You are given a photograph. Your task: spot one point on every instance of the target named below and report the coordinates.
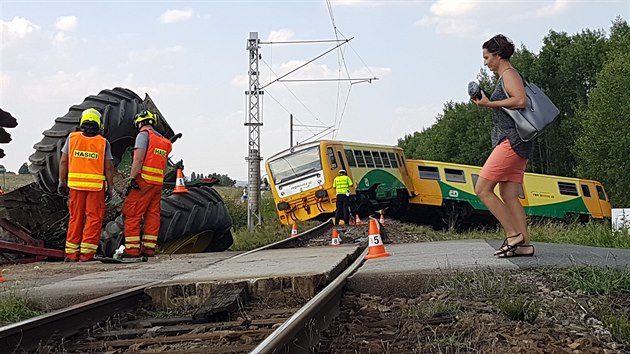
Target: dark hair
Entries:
(499, 45)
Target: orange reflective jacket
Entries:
(86, 162)
(155, 158)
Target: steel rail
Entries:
(27, 335)
(295, 335)
(298, 240)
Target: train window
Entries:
(521, 192)
(600, 193)
(392, 159)
(350, 157)
(568, 188)
(454, 175)
(400, 162)
(358, 155)
(377, 159)
(429, 172)
(343, 164)
(586, 191)
(331, 157)
(369, 161)
(474, 178)
(385, 159)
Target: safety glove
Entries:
(62, 188)
(131, 183)
(109, 194)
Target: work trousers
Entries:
(87, 209)
(143, 203)
(343, 209)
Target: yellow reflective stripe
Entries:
(85, 184)
(132, 238)
(151, 169)
(149, 244)
(132, 245)
(85, 176)
(71, 245)
(151, 178)
(88, 246)
(149, 237)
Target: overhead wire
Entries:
(340, 60)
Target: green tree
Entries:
(603, 145)
(193, 176)
(23, 169)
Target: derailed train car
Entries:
(431, 192)
(301, 178)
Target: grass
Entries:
(519, 310)
(14, 309)
(596, 281)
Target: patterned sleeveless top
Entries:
(503, 127)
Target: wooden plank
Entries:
(226, 298)
(143, 342)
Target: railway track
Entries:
(120, 322)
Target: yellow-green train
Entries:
(426, 191)
(446, 191)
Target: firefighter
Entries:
(342, 184)
(85, 165)
(144, 187)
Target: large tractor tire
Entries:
(118, 108)
(183, 215)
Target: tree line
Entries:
(224, 180)
(587, 76)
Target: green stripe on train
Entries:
(388, 183)
(554, 210)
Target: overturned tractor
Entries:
(197, 221)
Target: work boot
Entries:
(72, 257)
(87, 257)
(131, 253)
(149, 252)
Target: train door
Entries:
(604, 202)
(590, 198)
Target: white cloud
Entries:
(66, 23)
(452, 26)
(558, 7)
(175, 16)
(456, 8)
(281, 35)
(16, 29)
(60, 36)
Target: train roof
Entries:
(318, 142)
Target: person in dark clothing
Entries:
(342, 184)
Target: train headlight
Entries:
(321, 194)
(283, 206)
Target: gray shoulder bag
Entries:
(538, 114)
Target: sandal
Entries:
(513, 253)
(506, 243)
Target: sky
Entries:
(191, 58)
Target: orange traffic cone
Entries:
(357, 221)
(334, 241)
(382, 220)
(180, 187)
(294, 230)
(375, 248)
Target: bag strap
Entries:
(525, 83)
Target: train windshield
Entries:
(298, 164)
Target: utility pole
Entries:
(254, 122)
(290, 130)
